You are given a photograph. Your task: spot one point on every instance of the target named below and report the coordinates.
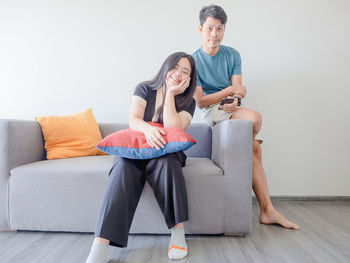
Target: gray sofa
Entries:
(65, 194)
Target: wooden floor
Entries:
(324, 237)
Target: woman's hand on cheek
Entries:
(154, 137)
(180, 88)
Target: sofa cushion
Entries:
(133, 144)
(200, 131)
(65, 195)
(70, 168)
(70, 136)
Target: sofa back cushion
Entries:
(70, 136)
(201, 132)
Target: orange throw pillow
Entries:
(70, 136)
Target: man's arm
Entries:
(236, 82)
(235, 89)
(205, 101)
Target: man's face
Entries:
(212, 32)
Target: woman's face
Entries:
(181, 72)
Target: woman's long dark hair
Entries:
(182, 100)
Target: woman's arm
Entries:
(171, 118)
(136, 114)
(136, 122)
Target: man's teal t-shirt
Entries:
(214, 72)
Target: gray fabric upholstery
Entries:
(202, 134)
(21, 142)
(65, 194)
(108, 128)
(82, 179)
(230, 141)
(61, 195)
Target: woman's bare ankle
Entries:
(100, 240)
(179, 225)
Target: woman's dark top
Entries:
(153, 99)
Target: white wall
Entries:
(62, 57)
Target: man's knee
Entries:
(248, 114)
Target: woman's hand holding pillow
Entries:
(154, 137)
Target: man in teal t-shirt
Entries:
(214, 72)
(219, 75)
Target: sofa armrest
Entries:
(232, 152)
(21, 142)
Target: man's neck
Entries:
(210, 51)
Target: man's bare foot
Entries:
(271, 216)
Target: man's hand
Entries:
(230, 107)
(180, 88)
(239, 91)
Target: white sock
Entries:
(98, 254)
(177, 245)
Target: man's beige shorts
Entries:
(213, 115)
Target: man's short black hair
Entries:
(214, 11)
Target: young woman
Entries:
(167, 99)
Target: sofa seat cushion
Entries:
(72, 168)
(201, 167)
(65, 195)
(65, 169)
